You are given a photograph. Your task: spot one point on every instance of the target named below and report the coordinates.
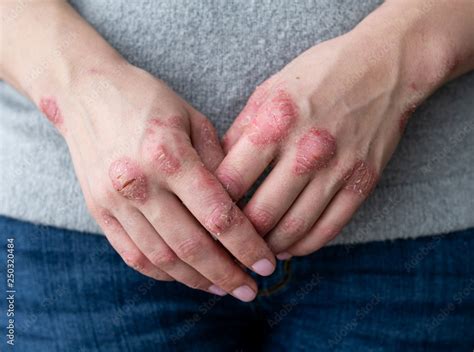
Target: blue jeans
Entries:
(73, 293)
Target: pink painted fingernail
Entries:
(263, 267)
(284, 256)
(217, 290)
(244, 293)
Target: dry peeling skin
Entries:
(247, 115)
(155, 124)
(275, 118)
(253, 105)
(314, 151)
(49, 108)
(225, 213)
(361, 179)
(223, 218)
(208, 141)
(128, 179)
(155, 151)
(233, 185)
(165, 161)
(174, 121)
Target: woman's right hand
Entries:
(143, 156)
(144, 159)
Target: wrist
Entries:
(49, 50)
(426, 40)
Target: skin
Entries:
(151, 168)
(50, 109)
(143, 156)
(344, 119)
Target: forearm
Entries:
(47, 47)
(430, 41)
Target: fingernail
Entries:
(284, 256)
(263, 267)
(244, 293)
(217, 290)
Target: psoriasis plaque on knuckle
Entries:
(222, 218)
(314, 151)
(274, 120)
(128, 179)
(361, 179)
(156, 151)
(164, 160)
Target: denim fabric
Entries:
(73, 293)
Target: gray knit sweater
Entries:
(196, 47)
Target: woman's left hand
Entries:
(330, 121)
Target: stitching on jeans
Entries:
(281, 284)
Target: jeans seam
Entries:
(287, 273)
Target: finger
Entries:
(118, 237)
(248, 113)
(186, 237)
(274, 197)
(314, 151)
(210, 204)
(127, 249)
(157, 251)
(304, 212)
(242, 166)
(358, 186)
(205, 141)
(258, 145)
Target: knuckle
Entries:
(161, 157)
(361, 179)
(134, 260)
(226, 280)
(162, 122)
(288, 231)
(232, 181)
(291, 227)
(161, 276)
(128, 179)
(166, 146)
(250, 252)
(222, 218)
(105, 218)
(279, 114)
(190, 250)
(163, 258)
(328, 232)
(262, 217)
(315, 149)
(340, 171)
